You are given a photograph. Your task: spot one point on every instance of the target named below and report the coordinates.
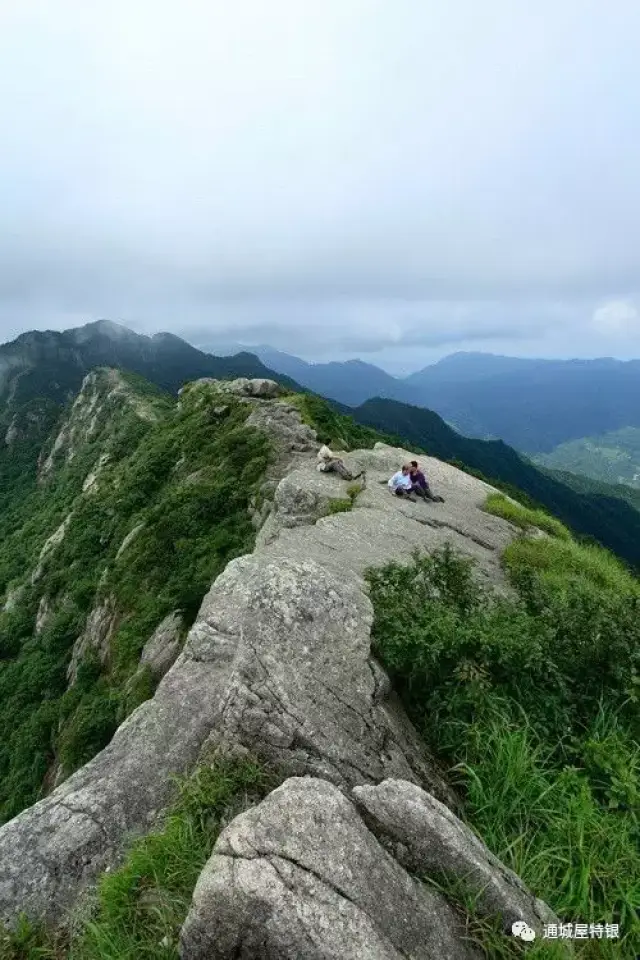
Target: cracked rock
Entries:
(434, 841)
(300, 877)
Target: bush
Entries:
(339, 505)
(525, 517)
(90, 729)
(532, 702)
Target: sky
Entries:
(395, 181)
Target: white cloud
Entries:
(617, 317)
(349, 172)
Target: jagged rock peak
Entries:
(100, 390)
(256, 388)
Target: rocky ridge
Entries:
(278, 664)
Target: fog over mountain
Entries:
(355, 179)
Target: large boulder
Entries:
(304, 693)
(300, 877)
(96, 636)
(429, 839)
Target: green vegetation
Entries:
(532, 703)
(184, 477)
(612, 458)
(335, 428)
(587, 485)
(140, 907)
(525, 517)
(344, 504)
(339, 505)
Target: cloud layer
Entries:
(347, 177)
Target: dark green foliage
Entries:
(533, 703)
(89, 729)
(583, 484)
(186, 479)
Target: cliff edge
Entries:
(278, 665)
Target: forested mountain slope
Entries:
(120, 519)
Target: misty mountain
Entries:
(533, 405)
(51, 364)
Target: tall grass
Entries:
(140, 907)
(532, 703)
(526, 518)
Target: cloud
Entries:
(617, 317)
(353, 175)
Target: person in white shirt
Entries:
(400, 483)
(329, 462)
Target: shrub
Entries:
(339, 505)
(532, 702)
(142, 905)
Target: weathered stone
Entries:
(161, 650)
(90, 480)
(128, 540)
(43, 614)
(99, 628)
(302, 692)
(13, 431)
(300, 877)
(434, 841)
(51, 852)
(12, 598)
(49, 546)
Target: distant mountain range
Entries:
(40, 372)
(51, 364)
(533, 405)
(610, 457)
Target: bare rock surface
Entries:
(277, 662)
(161, 650)
(300, 877)
(99, 628)
(432, 840)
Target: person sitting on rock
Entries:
(400, 483)
(420, 484)
(328, 462)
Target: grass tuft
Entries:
(140, 907)
(526, 518)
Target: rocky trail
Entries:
(278, 664)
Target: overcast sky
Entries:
(395, 179)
